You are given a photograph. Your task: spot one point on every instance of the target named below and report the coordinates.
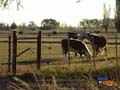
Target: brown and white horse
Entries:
(75, 45)
(98, 42)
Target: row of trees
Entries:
(51, 24)
(4, 26)
(93, 24)
(46, 24)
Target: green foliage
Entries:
(90, 23)
(49, 24)
(2, 26)
(94, 24)
(68, 74)
(49, 72)
(63, 73)
(13, 26)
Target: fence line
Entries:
(39, 41)
(13, 48)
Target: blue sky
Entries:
(64, 11)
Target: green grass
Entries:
(27, 61)
(54, 52)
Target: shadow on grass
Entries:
(110, 58)
(46, 61)
(55, 60)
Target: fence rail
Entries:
(45, 39)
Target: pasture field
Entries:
(52, 52)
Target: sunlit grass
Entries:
(27, 61)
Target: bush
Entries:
(49, 72)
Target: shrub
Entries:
(49, 72)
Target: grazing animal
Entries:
(75, 46)
(98, 42)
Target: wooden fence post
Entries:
(94, 54)
(39, 50)
(69, 48)
(116, 56)
(9, 53)
(14, 53)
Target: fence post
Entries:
(94, 54)
(9, 53)
(39, 50)
(14, 53)
(69, 48)
(116, 56)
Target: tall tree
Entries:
(106, 17)
(49, 24)
(2, 25)
(13, 26)
(85, 24)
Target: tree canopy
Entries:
(49, 24)
(13, 25)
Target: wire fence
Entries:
(51, 51)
